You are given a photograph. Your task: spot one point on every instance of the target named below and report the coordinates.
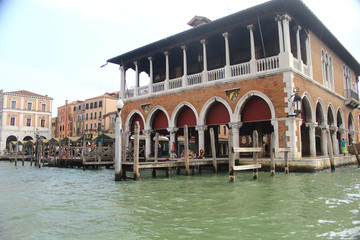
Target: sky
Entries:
(56, 47)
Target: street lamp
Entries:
(296, 104)
(118, 172)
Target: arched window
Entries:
(327, 68)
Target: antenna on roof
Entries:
(104, 65)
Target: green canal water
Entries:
(59, 203)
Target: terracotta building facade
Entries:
(242, 71)
(24, 115)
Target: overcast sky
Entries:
(56, 47)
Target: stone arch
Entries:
(331, 119)
(242, 102)
(208, 105)
(178, 109)
(129, 120)
(10, 139)
(26, 138)
(307, 114)
(320, 117)
(152, 113)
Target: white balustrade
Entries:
(297, 64)
(158, 87)
(175, 83)
(240, 69)
(194, 79)
(266, 64)
(216, 74)
(143, 90)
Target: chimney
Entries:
(198, 20)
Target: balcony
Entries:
(238, 71)
(352, 98)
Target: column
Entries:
(298, 47)
(324, 149)
(252, 47)
(166, 84)
(184, 78)
(287, 44)
(136, 90)
(204, 73)
(308, 55)
(147, 142)
(281, 38)
(151, 75)
(286, 58)
(227, 55)
(172, 132)
(201, 133)
(122, 82)
(312, 143)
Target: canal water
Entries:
(59, 203)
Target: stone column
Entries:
(201, 133)
(298, 46)
(136, 90)
(281, 37)
(286, 58)
(166, 84)
(312, 141)
(324, 149)
(252, 47)
(147, 134)
(184, 79)
(308, 55)
(172, 132)
(151, 75)
(204, 73)
(122, 82)
(227, 55)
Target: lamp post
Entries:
(295, 105)
(118, 170)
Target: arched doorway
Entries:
(306, 116)
(256, 115)
(27, 138)
(320, 120)
(217, 116)
(351, 133)
(159, 124)
(341, 131)
(10, 139)
(186, 116)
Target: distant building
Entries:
(24, 115)
(79, 118)
(66, 119)
(95, 109)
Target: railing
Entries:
(240, 69)
(175, 83)
(349, 93)
(216, 74)
(143, 90)
(267, 64)
(194, 79)
(158, 87)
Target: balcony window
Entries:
(29, 105)
(100, 103)
(43, 107)
(95, 104)
(91, 105)
(87, 106)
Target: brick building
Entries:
(242, 71)
(95, 109)
(24, 115)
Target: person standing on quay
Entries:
(343, 146)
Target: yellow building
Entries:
(24, 115)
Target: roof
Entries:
(295, 8)
(27, 93)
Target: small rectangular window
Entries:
(13, 104)
(12, 121)
(42, 123)
(29, 105)
(43, 107)
(100, 103)
(28, 122)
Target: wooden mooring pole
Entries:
(231, 157)
(272, 155)
(186, 145)
(136, 152)
(213, 149)
(330, 150)
(255, 154)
